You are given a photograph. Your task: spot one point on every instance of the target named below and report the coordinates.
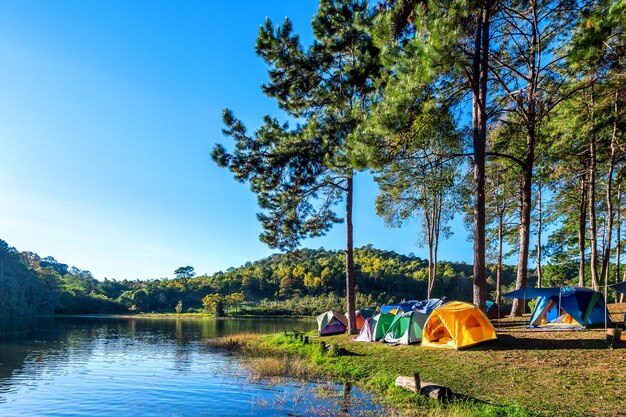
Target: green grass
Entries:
(522, 374)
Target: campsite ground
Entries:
(523, 373)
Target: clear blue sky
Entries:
(108, 114)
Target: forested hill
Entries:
(384, 275)
(303, 282)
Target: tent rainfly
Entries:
(361, 315)
(457, 325)
(331, 322)
(406, 328)
(375, 328)
(564, 308)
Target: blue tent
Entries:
(391, 308)
(620, 287)
(565, 305)
(427, 306)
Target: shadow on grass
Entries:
(510, 342)
(345, 352)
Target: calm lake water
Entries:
(85, 366)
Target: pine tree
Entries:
(444, 45)
(300, 174)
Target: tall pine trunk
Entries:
(592, 203)
(433, 241)
(350, 285)
(437, 230)
(479, 127)
(582, 229)
(618, 231)
(606, 256)
(431, 269)
(524, 226)
(539, 227)
(527, 167)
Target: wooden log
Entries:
(431, 389)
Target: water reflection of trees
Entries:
(30, 348)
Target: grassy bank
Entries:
(523, 373)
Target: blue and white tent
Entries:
(565, 306)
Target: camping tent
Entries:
(457, 325)
(565, 307)
(331, 322)
(493, 310)
(406, 328)
(375, 328)
(361, 315)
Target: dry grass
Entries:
(265, 360)
(248, 344)
(282, 367)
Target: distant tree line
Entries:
(305, 282)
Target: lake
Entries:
(107, 366)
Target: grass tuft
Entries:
(282, 367)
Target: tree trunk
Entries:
(582, 230)
(527, 168)
(430, 222)
(479, 127)
(606, 256)
(429, 291)
(618, 231)
(350, 286)
(499, 265)
(592, 213)
(436, 236)
(524, 235)
(539, 227)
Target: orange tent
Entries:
(457, 325)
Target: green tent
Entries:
(331, 322)
(406, 328)
(375, 327)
